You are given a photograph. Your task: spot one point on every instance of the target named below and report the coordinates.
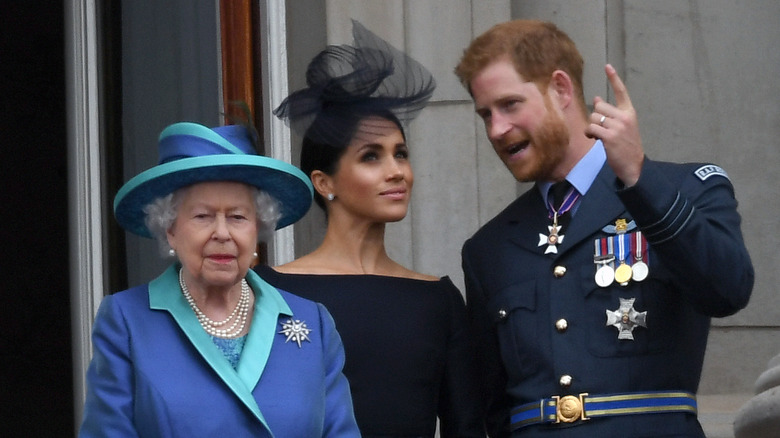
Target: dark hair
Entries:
(344, 86)
(317, 155)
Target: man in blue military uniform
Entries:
(592, 311)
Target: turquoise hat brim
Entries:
(285, 182)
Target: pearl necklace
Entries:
(214, 327)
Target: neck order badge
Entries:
(564, 196)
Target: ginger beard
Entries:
(549, 140)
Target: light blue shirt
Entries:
(583, 174)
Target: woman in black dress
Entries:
(408, 356)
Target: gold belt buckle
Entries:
(569, 408)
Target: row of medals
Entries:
(606, 273)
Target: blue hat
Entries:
(191, 153)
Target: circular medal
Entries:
(639, 271)
(623, 273)
(605, 275)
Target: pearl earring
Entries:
(172, 252)
(254, 254)
(331, 196)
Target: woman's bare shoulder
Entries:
(314, 264)
(408, 273)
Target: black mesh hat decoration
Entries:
(347, 83)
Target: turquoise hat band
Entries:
(183, 164)
(199, 131)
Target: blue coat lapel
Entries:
(526, 218)
(269, 304)
(164, 294)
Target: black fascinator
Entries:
(347, 83)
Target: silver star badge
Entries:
(626, 318)
(295, 330)
(552, 239)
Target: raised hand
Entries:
(618, 128)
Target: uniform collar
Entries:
(584, 173)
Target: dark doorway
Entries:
(36, 394)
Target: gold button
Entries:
(561, 325)
(565, 381)
(559, 271)
(502, 314)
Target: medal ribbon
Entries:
(623, 245)
(568, 202)
(602, 252)
(639, 247)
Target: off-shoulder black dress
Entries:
(408, 353)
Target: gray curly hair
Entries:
(161, 214)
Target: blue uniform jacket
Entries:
(156, 373)
(698, 268)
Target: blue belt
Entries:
(571, 408)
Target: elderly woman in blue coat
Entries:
(208, 348)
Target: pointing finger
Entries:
(622, 100)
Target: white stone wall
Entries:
(703, 76)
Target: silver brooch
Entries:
(295, 330)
